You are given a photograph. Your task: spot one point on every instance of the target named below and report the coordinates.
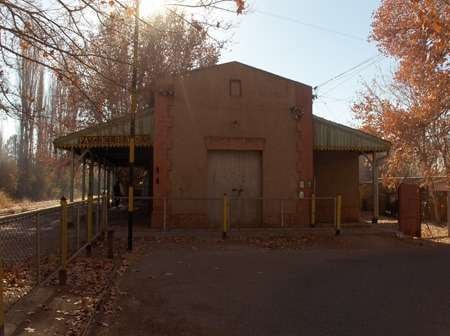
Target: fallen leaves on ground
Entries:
(92, 280)
(20, 277)
(287, 242)
(435, 233)
(18, 280)
(88, 280)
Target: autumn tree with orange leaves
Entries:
(412, 109)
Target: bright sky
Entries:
(281, 45)
(285, 43)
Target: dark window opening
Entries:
(235, 88)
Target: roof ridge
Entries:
(247, 66)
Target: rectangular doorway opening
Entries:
(239, 175)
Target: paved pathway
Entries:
(242, 290)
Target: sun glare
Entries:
(152, 7)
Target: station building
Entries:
(236, 130)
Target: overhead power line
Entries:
(311, 25)
(342, 74)
(343, 100)
(353, 74)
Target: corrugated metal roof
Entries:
(328, 135)
(331, 136)
(113, 133)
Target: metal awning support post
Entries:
(132, 140)
(83, 180)
(99, 197)
(99, 179)
(108, 186)
(375, 191)
(105, 168)
(72, 173)
(90, 213)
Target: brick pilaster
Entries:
(305, 139)
(161, 156)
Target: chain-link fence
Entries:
(30, 244)
(241, 213)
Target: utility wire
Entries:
(348, 100)
(342, 74)
(311, 25)
(375, 61)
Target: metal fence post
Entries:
(63, 228)
(225, 217)
(97, 215)
(83, 181)
(229, 214)
(2, 305)
(99, 199)
(313, 210)
(103, 213)
(334, 211)
(89, 225)
(38, 249)
(338, 214)
(77, 228)
(90, 210)
(106, 212)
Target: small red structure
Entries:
(409, 219)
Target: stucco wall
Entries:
(336, 172)
(202, 108)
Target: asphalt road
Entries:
(243, 290)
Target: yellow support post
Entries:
(225, 217)
(2, 306)
(338, 214)
(313, 210)
(64, 238)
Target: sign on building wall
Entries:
(112, 141)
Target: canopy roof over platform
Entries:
(331, 136)
(112, 137)
(111, 134)
(109, 141)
